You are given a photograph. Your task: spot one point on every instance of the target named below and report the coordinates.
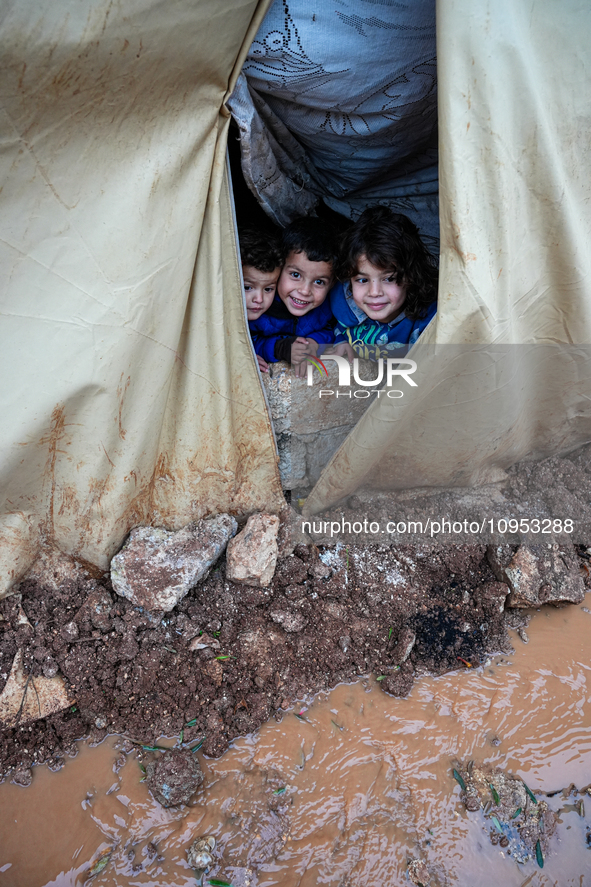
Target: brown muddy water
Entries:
(368, 786)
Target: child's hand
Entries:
(263, 365)
(303, 348)
(300, 350)
(343, 349)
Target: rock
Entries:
(251, 557)
(174, 778)
(403, 648)
(156, 568)
(538, 574)
(492, 595)
(286, 541)
(418, 872)
(288, 620)
(23, 776)
(42, 696)
(69, 632)
(200, 853)
(309, 428)
(98, 607)
(202, 641)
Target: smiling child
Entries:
(299, 318)
(390, 286)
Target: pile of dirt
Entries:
(228, 657)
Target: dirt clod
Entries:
(174, 778)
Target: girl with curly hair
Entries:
(388, 288)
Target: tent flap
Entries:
(131, 394)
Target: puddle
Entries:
(367, 780)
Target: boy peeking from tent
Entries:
(298, 318)
(385, 298)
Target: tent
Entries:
(131, 393)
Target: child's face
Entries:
(376, 292)
(303, 284)
(259, 290)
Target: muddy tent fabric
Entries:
(339, 102)
(504, 373)
(130, 392)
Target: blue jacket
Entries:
(370, 338)
(274, 331)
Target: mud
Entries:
(354, 787)
(229, 657)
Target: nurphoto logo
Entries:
(387, 368)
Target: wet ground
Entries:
(368, 787)
(229, 657)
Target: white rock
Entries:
(252, 555)
(156, 568)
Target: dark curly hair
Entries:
(314, 237)
(260, 249)
(391, 241)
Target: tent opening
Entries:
(333, 112)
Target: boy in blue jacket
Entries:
(299, 318)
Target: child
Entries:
(390, 290)
(299, 318)
(262, 258)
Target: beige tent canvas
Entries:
(131, 393)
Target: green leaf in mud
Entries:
(142, 768)
(217, 882)
(338, 726)
(154, 748)
(459, 780)
(280, 791)
(380, 677)
(390, 630)
(225, 657)
(539, 855)
(494, 793)
(497, 824)
(300, 717)
(181, 736)
(530, 793)
(101, 863)
(517, 812)
(191, 723)
(198, 746)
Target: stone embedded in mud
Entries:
(200, 853)
(97, 606)
(23, 776)
(156, 568)
(418, 872)
(26, 698)
(403, 648)
(493, 594)
(174, 778)
(289, 620)
(538, 574)
(251, 557)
